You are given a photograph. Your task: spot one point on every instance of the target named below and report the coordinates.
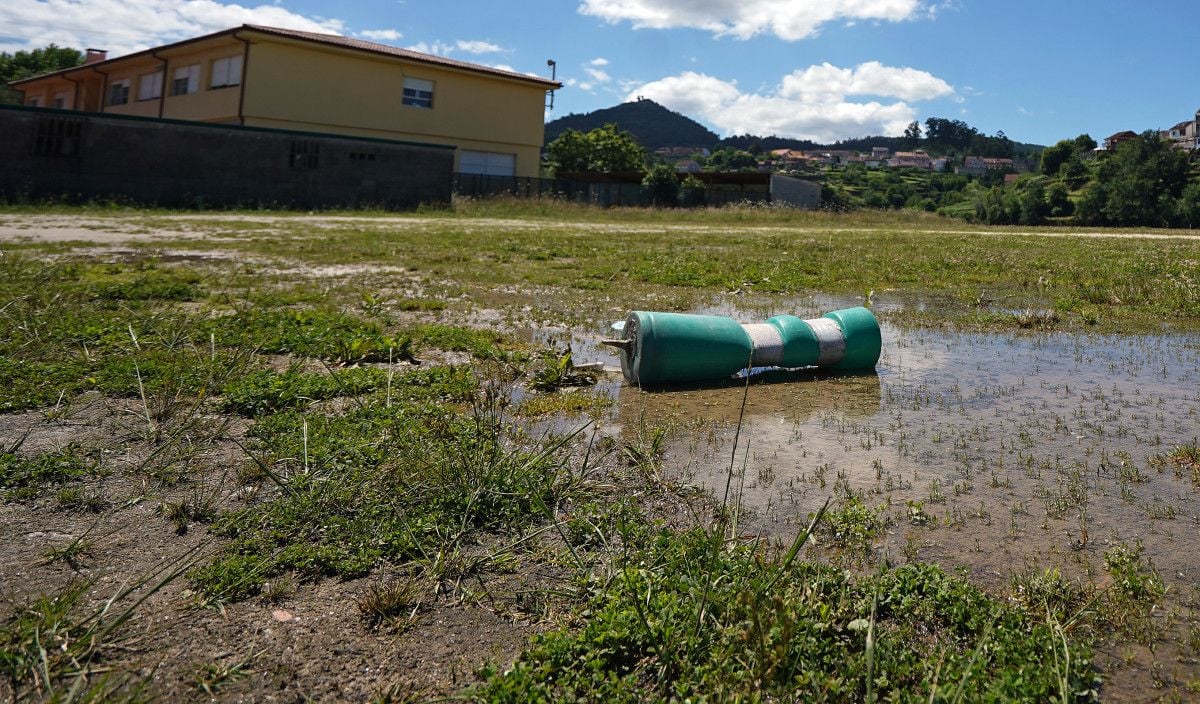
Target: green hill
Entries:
(650, 123)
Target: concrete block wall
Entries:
(81, 156)
(795, 192)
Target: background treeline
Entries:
(23, 64)
(1145, 181)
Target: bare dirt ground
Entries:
(100, 230)
(307, 642)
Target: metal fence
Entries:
(596, 193)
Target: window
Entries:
(226, 72)
(150, 86)
(187, 80)
(487, 163)
(418, 93)
(34, 102)
(118, 92)
(61, 100)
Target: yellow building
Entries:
(280, 78)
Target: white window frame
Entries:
(125, 84)
(150, 86)
(190, 74)
(418, 93)
(225, 72)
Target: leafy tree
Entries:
(913, 131)
(661, 186)
(1053, 158)
(1033, 206)
(692, 192)
(1187, 210)
(23, 64)
(727, 159)
(605, 149)
(1058, 200)
(1143, 179)
(955, 134)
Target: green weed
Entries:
(321, 333)
(407, 482)
(25, 477)
(556, 371)
(771, 629)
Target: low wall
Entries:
(795, 192)
(48, 153)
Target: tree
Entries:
(1059, 200)
(1143, 179)
(913, 131)
(604, 149)
(23, 64)
(1053, 158)
(727, 159)
(1187, 210)
(661, 186)
(954, 134)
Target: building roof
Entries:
(332, 40)
(1127, 134)
(1183, 125)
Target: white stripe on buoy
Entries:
(766, 345)
(831, 342)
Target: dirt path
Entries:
(124, 229)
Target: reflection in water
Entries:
(1013, 443)
(777, 395)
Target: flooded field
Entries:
(1000, 455)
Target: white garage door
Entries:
(487, 163)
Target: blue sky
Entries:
(819, 69)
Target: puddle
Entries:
(1013, 443)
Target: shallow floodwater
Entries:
(1009, 450)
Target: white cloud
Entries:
(441, 48)
(478, 47)
(381, 35)
(790, 20)
(126, 26)
(811, 103)
(438, 48)
(598, 75)
(872, 78)
(601, 61)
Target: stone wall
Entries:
(79, 156)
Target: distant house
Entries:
(979, 165)
(267, 77)
(910, 160)
(1185, 135)
(680, 152)
(687, 166)
(1114, 140)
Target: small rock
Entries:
(282, 616)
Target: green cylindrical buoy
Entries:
(662, 348)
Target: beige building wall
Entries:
(293, 86)
(296, 85)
